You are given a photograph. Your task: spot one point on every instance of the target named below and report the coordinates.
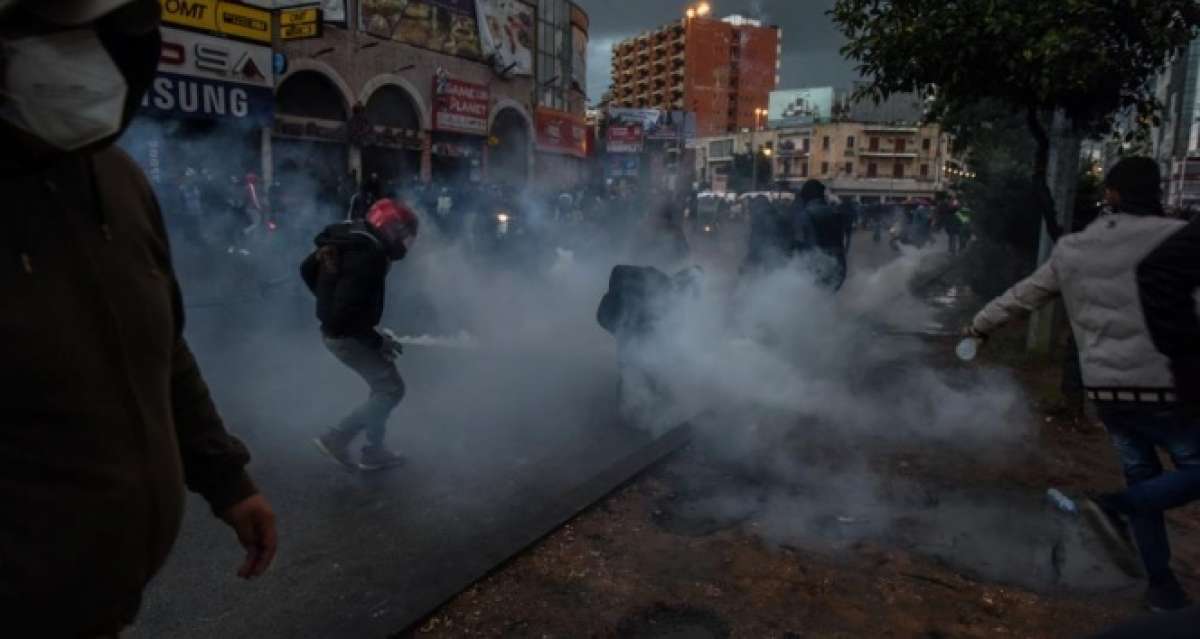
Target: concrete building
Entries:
(869, 162)
(439, 93)
(722, 70)
(1176, 143)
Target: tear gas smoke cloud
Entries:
(755, 367)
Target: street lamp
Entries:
(703, 9)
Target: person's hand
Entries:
(254, 522)
(391, 347)
(969, 331)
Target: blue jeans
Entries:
(381, 376)
(1137, 431)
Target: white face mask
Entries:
(63, 88)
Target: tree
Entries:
(742, 177)
(1087, 59)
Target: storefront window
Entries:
(554, 53)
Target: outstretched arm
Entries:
(1019, 301)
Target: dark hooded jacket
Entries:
(1168, 281)
(349, 282)
(106, 415)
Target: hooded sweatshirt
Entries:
(106, 415)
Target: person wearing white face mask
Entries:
(105, 414)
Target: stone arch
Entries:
(414, 95)
(509, 160)
(328, 73)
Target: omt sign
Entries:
(232, 19)
(194, 14)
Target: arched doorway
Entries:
(508, 158)
(393, 151)
(309, 150)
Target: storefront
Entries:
(388, 130)
(311, 128)
(460, 130)
(562, 148)
(206, 109)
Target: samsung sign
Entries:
(191, 97)
(202, 76)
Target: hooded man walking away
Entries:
(106, 414)
(1109, 276)
(821, 235)
(348, 274)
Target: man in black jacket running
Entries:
(348, 273)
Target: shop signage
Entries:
(174, 95)
(625, 137)
(233, 19)
(300, 23)
(194, 14)
(198, 55)
(461, 107)
(559, 132)
(241, 21)
(657, 124)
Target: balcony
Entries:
(888, 153)
(892, 129)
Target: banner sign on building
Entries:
(444, 26)
(625, 137)
(300, 23)
(506, 30)
(656, 124)
(331, 10)
(195, 54)
(796, 107)
(623, 165)
(181, 96)
(560, 132)
(229, 18)
(202, 76)
(460, 107)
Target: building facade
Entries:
(439, 91)
(721, 70)
(867, 162)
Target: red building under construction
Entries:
(721, 69)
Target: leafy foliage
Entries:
(1091, 58)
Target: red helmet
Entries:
(395, 224)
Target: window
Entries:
(787, 166)
(874, 144)
(901, 145)
(924, 170)
(825, 165)
(720, 149)
(926, 144)
(849, 169)
(554, 53)
(872, 170)
(825, 143)
(805, 147)
(850, 143)
(804, 169)
(898, 170)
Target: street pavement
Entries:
(501, 450)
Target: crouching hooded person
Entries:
(632, 311)
(348, 273)
(1128, 283)
(821, 235)
(106, 414)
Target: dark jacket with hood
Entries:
(348, 274)
(1168, 282)
(106, 415)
